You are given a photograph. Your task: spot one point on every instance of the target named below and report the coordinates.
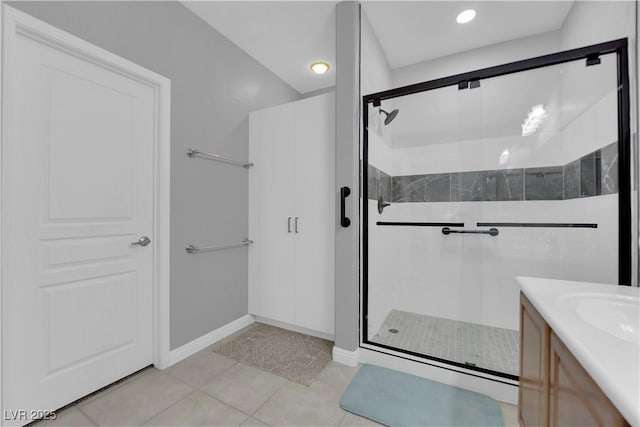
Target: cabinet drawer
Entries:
(575, 399)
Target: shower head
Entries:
(390, 116)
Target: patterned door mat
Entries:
(294, 356)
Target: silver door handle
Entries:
(296, 225)
(143, 241)
(289, 225)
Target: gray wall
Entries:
(214, 87)
(347, 172)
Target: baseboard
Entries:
(212, 337)
(295, 328)
(501, 391)
(346, 357)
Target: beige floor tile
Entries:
(136, 401)
(119, 384)
(510, 414)
(244, 387)
(352, 420)
(252, 422)
(198, 409)
(297, 405)
(337, 374)
(70, 417)
(200, 368)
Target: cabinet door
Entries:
(270, 204)
(534, 366)
(315, 208)
(575, 399)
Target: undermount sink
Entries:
(617, 315)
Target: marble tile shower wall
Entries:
(378, 184)
(592, 175)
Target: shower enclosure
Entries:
(472, 180)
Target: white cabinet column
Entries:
(271, 202)
(292, 214)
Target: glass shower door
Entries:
(472, 184)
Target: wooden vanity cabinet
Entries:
(574, 398)
(555, 390)
(533, 396)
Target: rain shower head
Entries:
(390, 116)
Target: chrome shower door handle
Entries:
(143, 241)
(296, 225)
(289, 225)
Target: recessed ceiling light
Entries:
(319, 67)
(466, 16)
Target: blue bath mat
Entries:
(397, 399)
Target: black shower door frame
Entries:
(588, 53)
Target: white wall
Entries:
(537, 150)
(488, 56)
(379, 137)
(375, 77)
(590, 130)
(375, 74)
(470, 277)
(591, 22)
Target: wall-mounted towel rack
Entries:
(538, 224)
(193, 152)
(192, 249)
(421, 224)
(491, 232)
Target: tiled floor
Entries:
(485, 346)
(208, 389)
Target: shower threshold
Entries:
(473, 344)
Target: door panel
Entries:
(78, 174)
(94, 121)
(71, 251)
(88, 318)
(315, 207)
(271, 204)
(575, 399)
(478, 196)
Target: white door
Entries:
(272, 213)
(78, 159)
(315, 208)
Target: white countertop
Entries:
(612, 362)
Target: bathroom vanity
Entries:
(579, 354)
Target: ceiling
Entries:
(287, 36)
(284, 36)
(416, 31)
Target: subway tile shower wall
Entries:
(592, 175)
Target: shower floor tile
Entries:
(487, 347)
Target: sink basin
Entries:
(617, 315)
